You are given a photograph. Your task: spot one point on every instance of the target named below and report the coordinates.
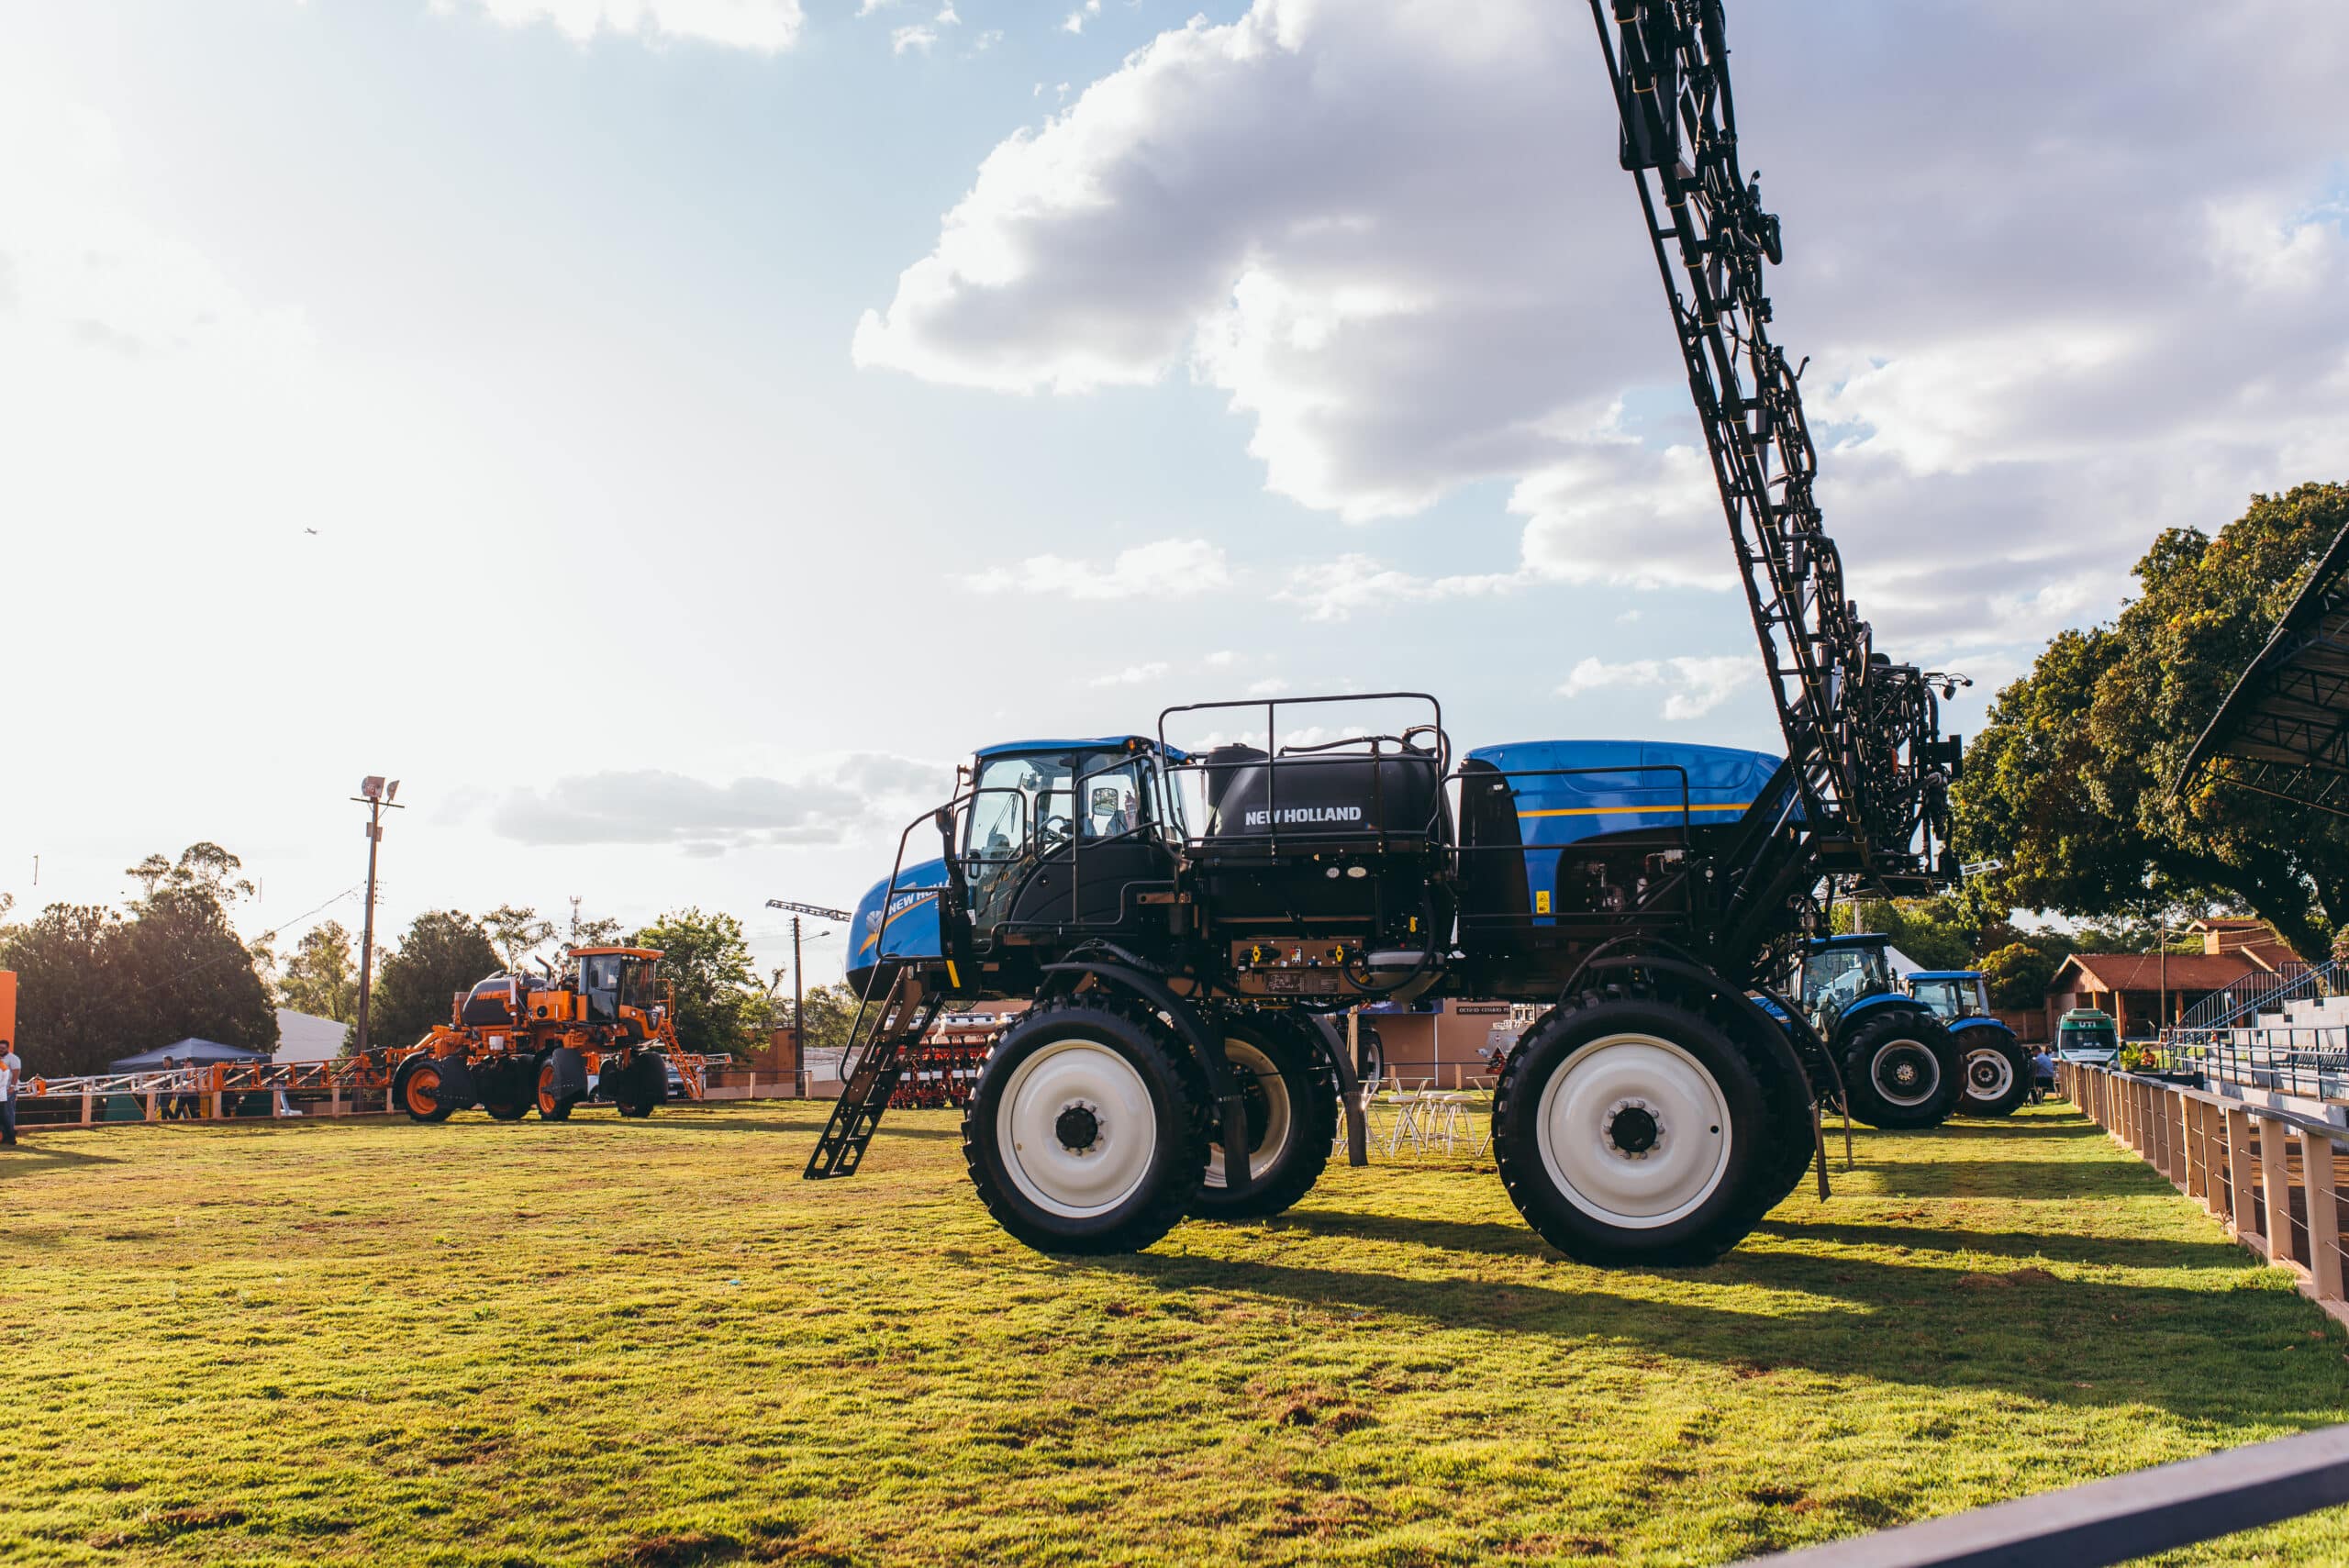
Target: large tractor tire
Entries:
(1292, 1120)
(417, 1090)
(1083, 1133)
(1901, 1069)
(1633, 1131)
(644, 1087)
(553, 1102)
(506, 1090)
(1997, 1070)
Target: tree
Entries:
(321, 978)
(92, 986)
(2069, 782)
(515, 932)
(2017, 975)
(705, 958)
(186, 972)
(71, 994)
(831, 1010)
(444, 952)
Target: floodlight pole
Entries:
(371, 797)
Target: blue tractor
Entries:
(1187, 912)
(1992, 1059)
(1901, 1066)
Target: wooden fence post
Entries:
(151, 1102)
(2275, 1175)
(86, 1105)
(2239, 1212)
(2324, 1215)
(2174, 1129)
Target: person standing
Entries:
(12, 1069)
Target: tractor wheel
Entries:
(1997, 1071)
(1292, 1121)
(1083, 1134)
(504, 1089)
(418, 1091)
(1632, 1130)
(643, 1087)
(1901, 1071)
(552, 1106)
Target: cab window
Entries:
(1837, 977)
(1945, 998)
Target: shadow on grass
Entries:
(2121, 1251)
(2058, 1342)
(2039, 1179)
(1500, 1239)
(31, 1159)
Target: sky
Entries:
(667, 434)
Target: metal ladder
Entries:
(902, 1018)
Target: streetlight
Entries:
(378, 797)
(798, 1029)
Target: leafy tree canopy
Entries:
(92, 986)
(321, 977)
(708, 962)
(444, 952)
(516, 932)
(2069, 784)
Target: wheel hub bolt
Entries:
(1078, 1126)
(1633, 1128)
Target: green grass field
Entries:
(651, 1343)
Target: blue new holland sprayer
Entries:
(1190, 910)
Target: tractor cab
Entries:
(1053, 833)
(616, 986)
(1951, 994)
(1840, 973)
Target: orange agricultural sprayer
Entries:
(607, 1025)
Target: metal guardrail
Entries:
(2312, 1059)
(2114, 1520)
(343, 1085)
(2293, 982)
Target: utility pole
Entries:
(798, 1033)
(376, 796)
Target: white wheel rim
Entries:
(1916, 1059)
(1084, 1077)
(1988, 1074)
(1634, 1082)
(1279, 1117)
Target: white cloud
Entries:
(1270, 687)
(1392, 238)
(1336, 590)
(1172, 567)
(858, 796)
(916, 36)
(1131, 675)
(1695, 685)
(1222, 659)
(1078, 17)
(766, 26)
(986, 41)
(866, 8)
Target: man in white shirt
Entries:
(12, 1073)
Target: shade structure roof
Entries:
(184, 1052)
(2283, 729)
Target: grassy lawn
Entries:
(608, 1342)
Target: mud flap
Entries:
(1349, 1089)
(457, 1091)
(570, 1073)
